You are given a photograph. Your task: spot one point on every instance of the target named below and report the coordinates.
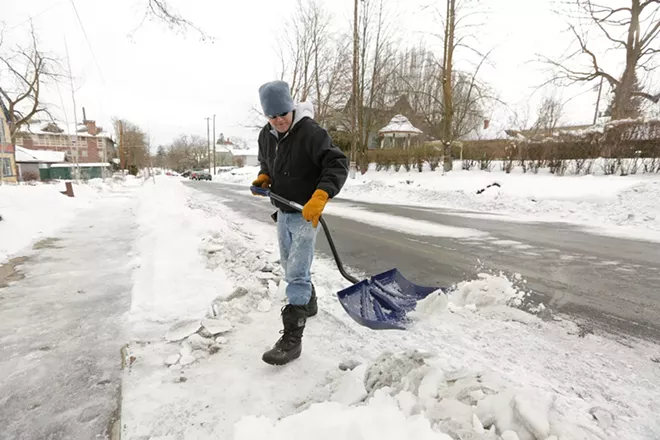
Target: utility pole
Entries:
(448, 104)
(208, 142)
(75, 115)
(214, 141)
(122, 163)
(354, 127)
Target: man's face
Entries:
(281, 122)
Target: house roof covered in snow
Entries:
(39, 156)
(239, 152)
(51, 128)
(400, 124)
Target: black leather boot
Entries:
(312, 306)
(289, 345)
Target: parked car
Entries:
(186, 173)
(200, 175)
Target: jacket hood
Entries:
(302, 110)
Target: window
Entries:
(83, 153)
(7, 170)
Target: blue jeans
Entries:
(297, 239)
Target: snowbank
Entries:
(473, 365)
(172, 281)
(32, 212)
(613, 205)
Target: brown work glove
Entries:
(262, 181)
(314, 207)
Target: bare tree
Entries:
(420, 75)
(133, 145)
(457, 22)
(163, 11)
(632, 31)
(313, 60)
(24, 72)
(549, 115)
(373, 74)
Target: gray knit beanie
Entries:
(275, 98)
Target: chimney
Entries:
(91, 127)
(84, 116)
(486, 124)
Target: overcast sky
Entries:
(168, 83)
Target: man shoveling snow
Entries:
(300, 163)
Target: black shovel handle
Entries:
(298, 207)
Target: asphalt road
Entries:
(608, 283)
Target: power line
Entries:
(36, 15)
(87, 39)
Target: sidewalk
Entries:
(61, 328)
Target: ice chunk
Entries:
(182, 330)
(476, 424)
(533, 413)
(509, 435)
(264, 305)
(216, 326)
(351, 388)
(172, 359)
(198, 342)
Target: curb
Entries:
(115, 424)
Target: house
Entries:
(378, 117)
(88, 145)
(35, 164)
(245, 158)
(7, 161)
(223, 156)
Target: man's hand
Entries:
(314, 207)
(262, 181)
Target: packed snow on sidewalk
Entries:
(612, 205)
(473, 365)
(31, 212)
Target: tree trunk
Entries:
(623, 103)
(447, 135)
(355, 94)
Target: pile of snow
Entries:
(488, 295)
(173, 281)
(609, 204)
(413, 395)
(32, 212)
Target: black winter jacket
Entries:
(302, 161)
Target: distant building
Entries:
(34, 164)
(245, 158)
(87, 145)
(7, 161)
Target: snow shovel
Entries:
(380, 302)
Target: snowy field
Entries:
(206, 303)
(612, 205)
(31, 212)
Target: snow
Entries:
(399, 124)
(609, 205)
(44, 156)
(82, 164)
(32, 212)
(472, 365)
(402, 224)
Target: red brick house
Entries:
(87, 145)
